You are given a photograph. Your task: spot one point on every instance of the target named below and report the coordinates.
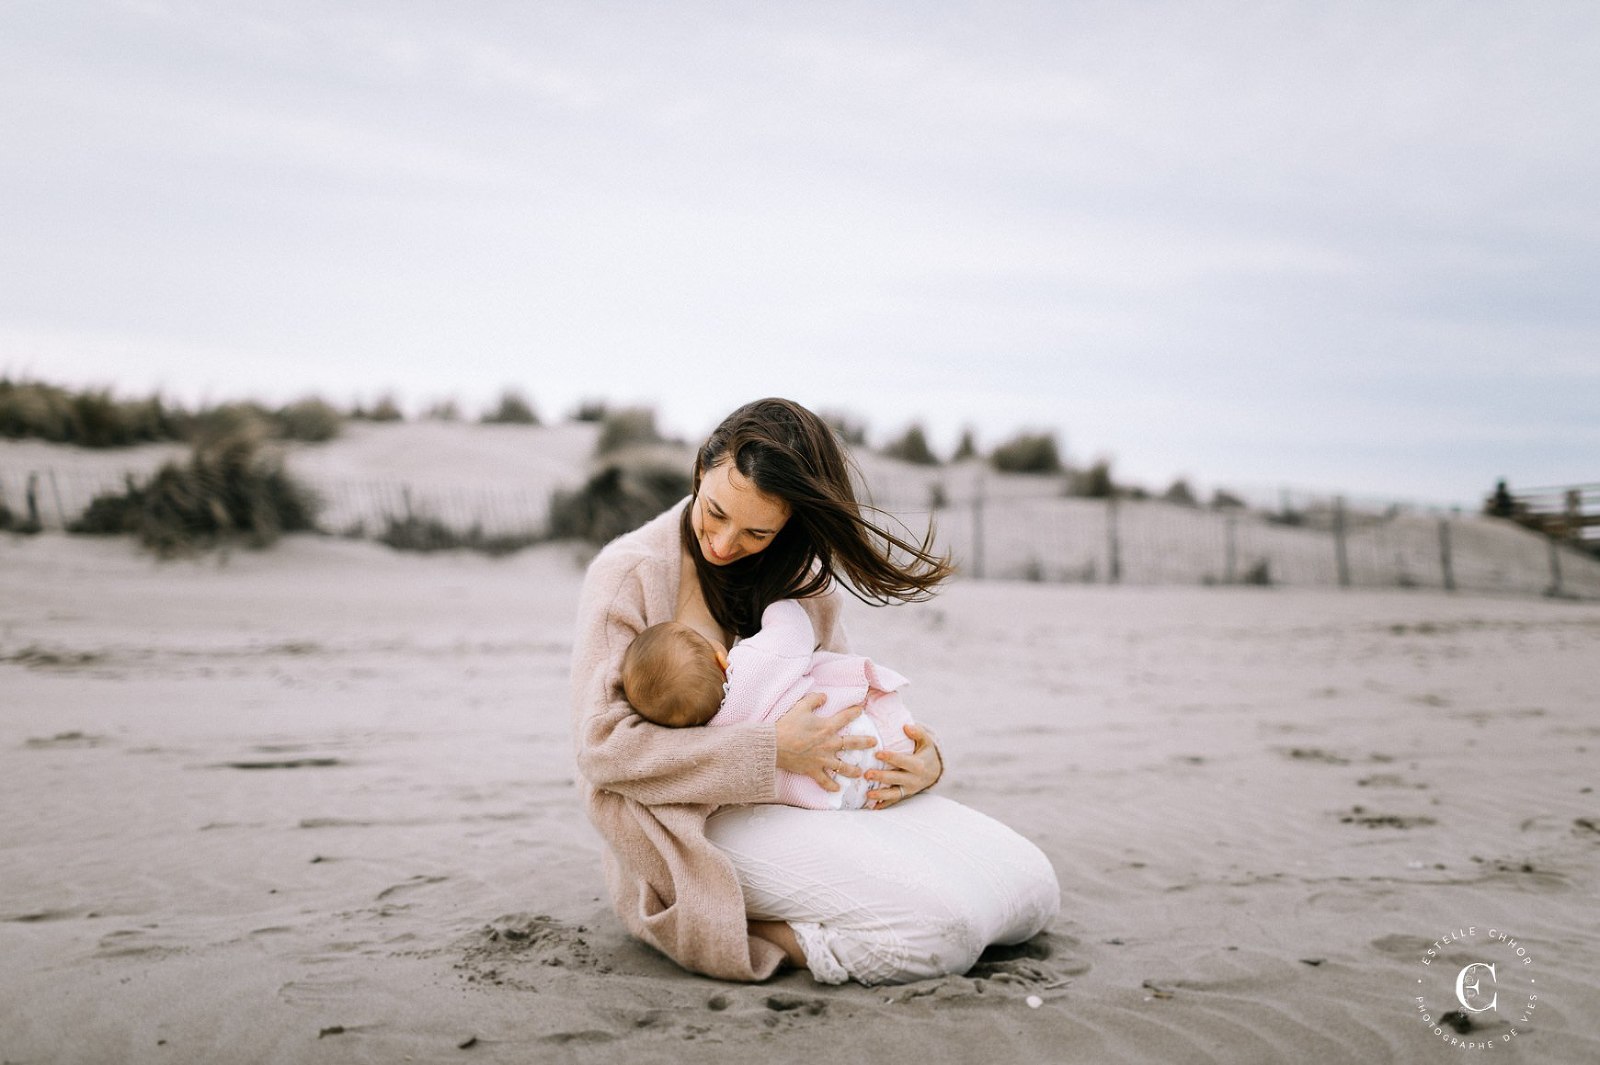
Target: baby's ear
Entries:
(722, 658)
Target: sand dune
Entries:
(499, 479)
(316, 805)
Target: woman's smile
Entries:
(732, 518)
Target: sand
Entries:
(316, 804)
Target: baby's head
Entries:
(673, 676)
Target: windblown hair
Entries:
(791, 454)
(671, 676)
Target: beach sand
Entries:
(316, 804)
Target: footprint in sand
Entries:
(1313, 754)
(515, 950)
(409, 885)
(1042, 964)
(283, 763)
(135, 943)
(65, 741)
(40, 916)
(1388, 780)
(1401, 946)
(1360, 815)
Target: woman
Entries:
(698, 863)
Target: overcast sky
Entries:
(1321, 244)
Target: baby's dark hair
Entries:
(671, 676)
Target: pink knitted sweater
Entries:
(649, 789)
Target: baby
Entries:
(673, 676)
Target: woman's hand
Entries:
(809, 743)
(908, 773)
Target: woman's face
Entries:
(732, 518)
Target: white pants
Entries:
(912, 891)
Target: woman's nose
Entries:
(723, 545)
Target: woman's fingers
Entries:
(817, 746)
(887, 795)
(889, 778)
(905, 773)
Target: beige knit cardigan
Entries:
(649, 789)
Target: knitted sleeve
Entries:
(621, 752)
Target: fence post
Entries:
(33, 500)
(977, 530)
(1339, 554)
(55, 490)
(1555, 566)
(1113, 542)
(1445, 564)
(1231, 570)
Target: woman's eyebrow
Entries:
(721, 513)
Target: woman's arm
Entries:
(618, 750)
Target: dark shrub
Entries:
(1222, 499)
(227, 493)
(97, 420)
(967, 449)
(34, 410)
(428, 534)
(1028, 453)
(627, 428)
(1180, 493)
(92, 418)
(590, 410)
(912, 447)
(111, 514)
(1094, 482)
(513, 409)
(386, 409)
(616, 500)
(311, 419)
(231, 420)
(446, 410)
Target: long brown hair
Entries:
(791, 454)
